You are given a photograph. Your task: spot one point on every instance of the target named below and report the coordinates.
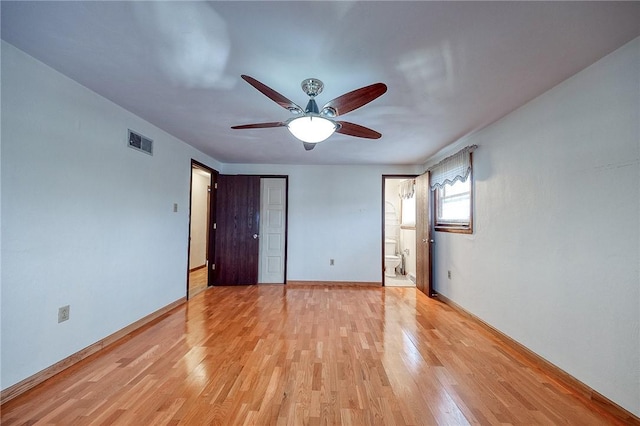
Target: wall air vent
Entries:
(139, 142)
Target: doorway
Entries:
(200, 233)
(399, 231)
(407, 233)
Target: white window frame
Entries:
(464, 226)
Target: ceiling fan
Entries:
(312, 125)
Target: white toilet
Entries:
(391, 261)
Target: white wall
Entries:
(554, 258)
(86, 221)
(199, 218)
(335, 212)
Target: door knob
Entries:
(255, 236)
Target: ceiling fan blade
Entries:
(260, 125)
(357, 130)
(355, 99)
(273, 95)
(309, 146)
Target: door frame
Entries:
(212, 204)
(384, 178)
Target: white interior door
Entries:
(273, 199)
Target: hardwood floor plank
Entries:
(308, 355)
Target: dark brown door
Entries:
(237, 226)
(423, 236)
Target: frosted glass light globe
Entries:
(311, 128)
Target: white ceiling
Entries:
(451, 67)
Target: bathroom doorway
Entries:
(399, 231)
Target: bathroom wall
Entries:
(392, 220)
(408, 242)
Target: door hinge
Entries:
(215, 185)
(213, 266)
(215, 226)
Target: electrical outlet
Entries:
(175, 207)
(63, 313)
(331, 262)
(449, 274)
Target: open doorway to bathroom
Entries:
(399, 231)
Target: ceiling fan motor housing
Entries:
(312, 86)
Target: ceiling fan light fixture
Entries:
(311, 128)
(312, 125)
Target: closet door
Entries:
(423, 236)
(237, 230)
(273, 230)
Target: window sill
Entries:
(456, 229)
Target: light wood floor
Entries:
(299, 355)
(197, 281)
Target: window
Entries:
(451, 181)
(406, 192)
(408, 212)
(453, 207)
